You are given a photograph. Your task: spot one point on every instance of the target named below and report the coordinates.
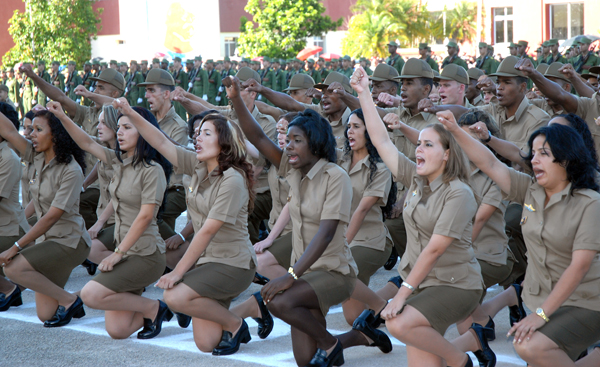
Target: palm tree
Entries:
(461, 22)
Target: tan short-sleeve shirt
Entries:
(26, 172)
(418, 121)
(372, 232)
(57, 185)
(176, 129)
(87, 118)
(543, 104)
(11, 212)
(324, 193)
(130, 188)
(569, 222)
(105, 174)
(589, 110)
(492, 243)
(280, 190)
(478, 101)
(223, 197)
(518, 127)
(443, 209)
(338, 127)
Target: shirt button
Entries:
(452, 279)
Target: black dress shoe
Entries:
(391, 262)
(397, 281)
(260, 279)
(90, 266)
(265, 321)
(485, 356)
(491, 336)
(13, 300)
(63, 316)
(517, 313)
(469, 362)
(183, 320)
(153, 328)
(364, 324)
(321, 359)
(230, 344)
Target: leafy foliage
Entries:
(53, 30)
(280, 27)
(461, 22)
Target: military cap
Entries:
(542, 68)
(164, 61)
(246, 73)
(87, 63)
(523, 43)
(114, 62)
(144, 62)
(507, 68)
(546, 44)
(392, 43)
(234, 62)
(490, 47)
(300, 81)
(245, 59)
(415, 68)
(512, 45)
(347, 58)
(266, 58)
(321, 59)
(552, 41)
(219, 62)
(104, 64)
(123, 63)
(226, 58)
(276, 61)
(71, 62)
(334, 76)
(41, 62)
(475, 73)
(159, 76)
(594, 70)
(95, 62)
(312, 61)
(334, 60)
(591, 75)
(189, 61)
(55, 62)
(483, 44)
(384, 72)
(423, 46)
(112, 77)
(583, 40)
(155, 61)
(177, 58)
(3, 87)
(453, 72)
(133, 62)
(552, 71)
(452, 44)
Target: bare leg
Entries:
(388, 291)
(507, 298)
(173, 256)
(6, 287)
(467, 342)
(207, 334)
(420, 358)
(478, 316)
(362, 297)
(21, 272)
(412, 328)
(248, 308)
(541, 351)
(97, 296)
(98, 252)
(303, 345)
(268, 266)
(122, 324)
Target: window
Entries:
(503, 25)
(566, 20)
(318, 41)
(230, 46)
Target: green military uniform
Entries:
(27, 96)
(485, 62)
(495, 63)
(40, 96)
(431, 62)
(368, 71)
(214, 83)
(313, 72)
(591, 59)
(198, 81)
(559, 57)
(132, 91)
(13, 89)
(87, 83)
(57, 79)
(394, 60)
(141, 89)
(224, 74)
(181, 80)
(280, 81)
(525, 55)
(454, 59)
(71, 83)
(267, 76)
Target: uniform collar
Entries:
(477, 100)
(316, 168)
(403, 111)
(520, 111)
(339, 122)
(169, 115)
(539, 194)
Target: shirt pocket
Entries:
(452, 274)
(223, 250)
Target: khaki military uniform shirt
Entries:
(567, 223)
(11, 212)
(518, 127)
(324, 193)
(87, 118)
(442, 209)
(130, 188)
(176, 129)
(26, 175)
(338, 127)
(58, 185)
(543, 104)
(223, 197)
(492, 243)
(589, 109)
(478, 101)
(418, 121)
(280, 190)
(372, 232)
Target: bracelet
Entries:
(182, 238)
(412, 289)
(118, 251)
(291, 272)
(19, 247)
(485, 141)
(540, 312)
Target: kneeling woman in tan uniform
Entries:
(62, 243)
(560, 213)
(443, 281)
(220, 262)
(137, 191)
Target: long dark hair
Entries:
(374, 158)
(582, 128)
(144, 153)
(63, 145)
(321, 141)
(199, 117)
(570, 152)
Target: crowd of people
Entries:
(307, 178)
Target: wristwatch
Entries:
(540, 312)
(488, 139)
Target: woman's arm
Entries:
(394, 123)
(366, 203)
(505, 148)
(377, 131)
(29, 209)
(484, 213)
(278, 227)
(10, 134)
(251, 149)
(173, 242)
(150, 133)
(92, 177)
(80, 137)
(481, 156)
(192, 254)
(97, 227)
(250, 127)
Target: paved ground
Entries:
(84, 342)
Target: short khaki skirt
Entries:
(219, 281)
(331, 287)
(573, 329)
(369, 260)
(281, 249)
(107, 237)
(8, 242)
(133, 273)
(443, 306)
(56, 261)
(494, 274)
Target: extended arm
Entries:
(51, 91)
(11, 134)
(279, 99)
(366, 203)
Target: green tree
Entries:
(280, 27)
(461, 22)
(376, 22)
(59, 30)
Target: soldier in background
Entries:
(198, 80)
(484, 61)
(310, 70)
(56, 78)
(555, 56)
(113, 64)
(424, 51)
(155, 63)
(394, 60)
(512, 49)
(42, 73)
(73, 80)
(586, 58)
(13, 88)
(225, 72)
(132, 90)
(453, 57)
(124, 69)
(164, 64)
(181, 80)
(87, 81)
(347, 69)
(280, 81)
(27, 96)
(214, 82)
